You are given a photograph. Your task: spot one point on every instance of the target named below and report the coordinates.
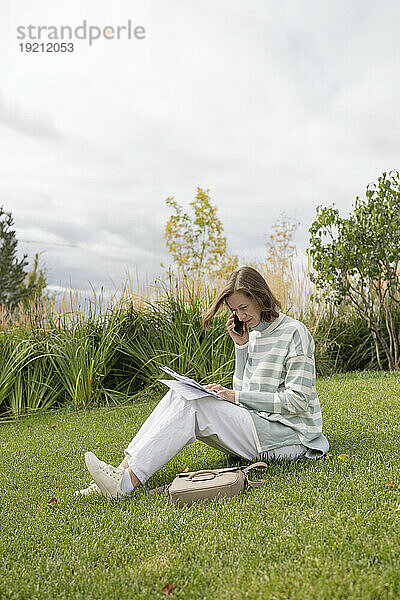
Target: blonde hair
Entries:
(252, 284)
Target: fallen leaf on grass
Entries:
(185, 470)
(30, 427)
(52, 501)
(366, 391)
(343, 456)
(167, 589)
(391, 485)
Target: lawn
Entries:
(319, 529)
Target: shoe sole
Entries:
(84, 493)
(90, 465)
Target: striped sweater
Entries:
(275, 381)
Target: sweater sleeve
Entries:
(241, 354)
(293, 398)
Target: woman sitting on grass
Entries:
(273, 410)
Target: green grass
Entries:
(319, 530)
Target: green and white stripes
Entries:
(275, 379)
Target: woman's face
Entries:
(246, 308)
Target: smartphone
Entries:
(238, 328)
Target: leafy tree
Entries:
(16, 284)
(12, 273)
(197, 244)
(357, 260)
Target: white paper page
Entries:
(182, 378)
(188, 392)
(191, 384)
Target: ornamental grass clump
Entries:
(169, 332)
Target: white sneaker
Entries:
(107, 477)
(92, 489)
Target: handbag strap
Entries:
(163, 489)
(254, 484)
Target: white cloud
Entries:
(270, 105)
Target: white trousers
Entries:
(176, 422)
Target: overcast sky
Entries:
(272, 105)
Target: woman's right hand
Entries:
(238, 339)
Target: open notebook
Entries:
(188, 388)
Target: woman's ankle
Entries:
(135, 481)
(124, 463)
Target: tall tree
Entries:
(16, 284)
(280, 251)
(197, 244)
(12, 273)
(356, 260)
(35, 280)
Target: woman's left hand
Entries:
(221, 391)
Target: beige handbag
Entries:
(209, 484)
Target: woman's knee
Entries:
(168, 398)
